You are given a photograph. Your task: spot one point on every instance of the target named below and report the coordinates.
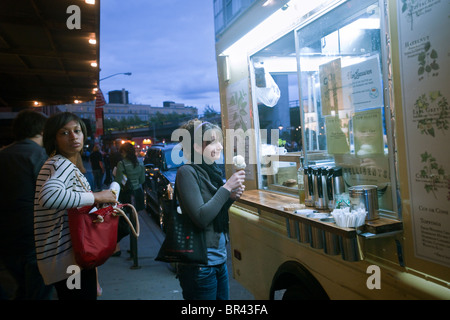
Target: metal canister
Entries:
(309, 186)
(320, 201)
(365, 196)
(335, 185)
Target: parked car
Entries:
(161, 163)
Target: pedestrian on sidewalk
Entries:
(107, 164)
(205, 198)
(61, 186)
(20, 162)
(98, 168)
(114, 158)
(130, 175)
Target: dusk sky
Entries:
(167, 45)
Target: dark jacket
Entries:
(201, 200)
(20, 163)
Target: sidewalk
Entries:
(153, 280)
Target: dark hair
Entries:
(56, 122)
(195, 128)
(27, 124)
(130, 153)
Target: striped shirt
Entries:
(57, 189)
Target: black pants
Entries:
(87, 291)
(20, 279)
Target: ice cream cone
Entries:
(239, 163)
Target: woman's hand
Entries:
(237, 193)
(105, 196)
(236, 181)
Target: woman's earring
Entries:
(53, 154)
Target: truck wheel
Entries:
(295, 292)
(298, 283)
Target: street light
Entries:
(115, 74)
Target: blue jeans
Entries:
(204, 282)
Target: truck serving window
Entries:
(321, 86)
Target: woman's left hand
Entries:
(237, 193)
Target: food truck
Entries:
(338, 106)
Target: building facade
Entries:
(119, 111)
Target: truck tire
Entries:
(295, 292)
(299, 283)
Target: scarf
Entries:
(215, 175)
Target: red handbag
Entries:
(94, 235)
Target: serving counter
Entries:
(320, 233)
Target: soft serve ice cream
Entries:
(239, 162)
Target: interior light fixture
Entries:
(90, 1)
(36, 103)
(92, 41)
(94, 64)
(76, 101)
(265, 30)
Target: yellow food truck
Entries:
(340, 108)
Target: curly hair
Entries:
(56, 122)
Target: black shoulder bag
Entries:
(184, 241)
(124, 197)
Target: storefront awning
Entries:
(43, 61)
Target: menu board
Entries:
(425, 61)
(368, 132)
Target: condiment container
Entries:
(364, 196)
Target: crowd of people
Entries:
(44, 177)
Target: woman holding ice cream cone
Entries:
(206, 198)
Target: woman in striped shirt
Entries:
(61, 186)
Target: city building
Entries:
(119, 108)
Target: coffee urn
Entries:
(335, 185)
(319, 181)
(309, 186)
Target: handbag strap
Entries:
(119, 211)
(136, 231)
(82, 183)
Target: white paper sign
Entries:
(425, 61)
(361, 84)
